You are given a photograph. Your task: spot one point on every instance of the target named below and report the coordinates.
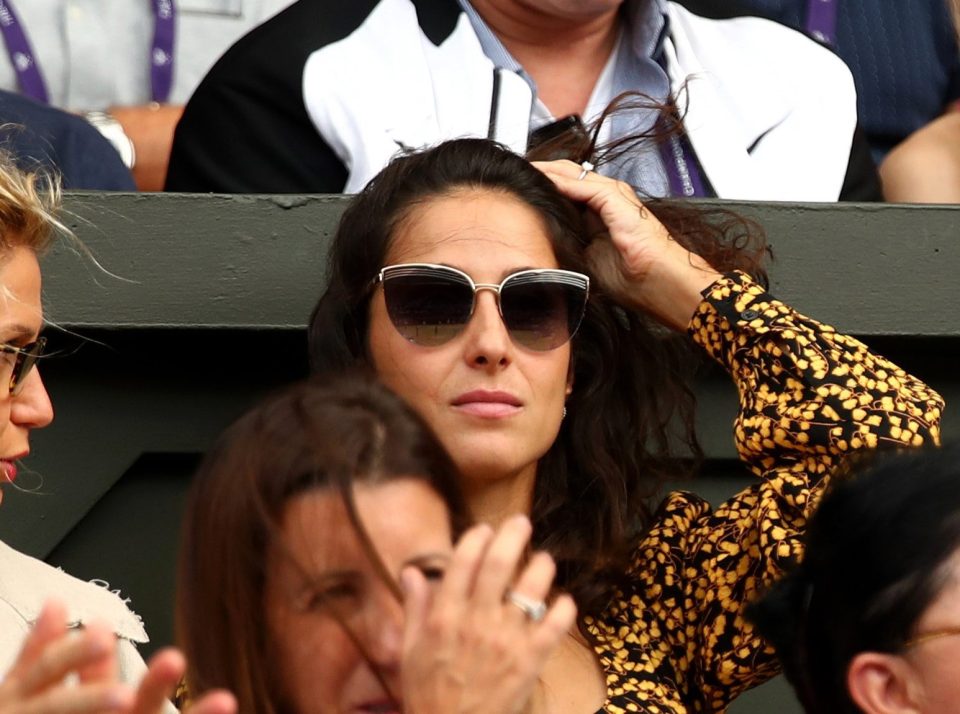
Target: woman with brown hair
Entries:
(534, 316)
(317, 571)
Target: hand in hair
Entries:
(633, 255)
(38, 683)
(469, 649)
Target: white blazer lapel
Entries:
(720, 139)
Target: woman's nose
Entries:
(31, 408)
(488, 341)
(385, 633)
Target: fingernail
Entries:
(520, 519)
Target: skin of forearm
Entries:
(151, 128)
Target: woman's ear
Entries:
(882, 683)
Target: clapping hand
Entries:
(52, 655)
(478, 642)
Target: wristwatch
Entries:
(112, 130)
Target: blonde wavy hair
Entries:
(30, 202)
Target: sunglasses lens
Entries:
(542, 310)
(25, 361)
(428, 306)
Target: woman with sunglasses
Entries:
(317, 572)
(83, 630)
(534, 316)
(870, 620)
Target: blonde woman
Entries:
(86, 631)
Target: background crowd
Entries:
(318, 97)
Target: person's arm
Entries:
(809, 397)
(925, 167)
(150, 128)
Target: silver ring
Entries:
(586, 167)
(535, 610)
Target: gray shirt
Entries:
(95, 53)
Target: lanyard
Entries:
(682, 168)
(822, 20)
(27, 68)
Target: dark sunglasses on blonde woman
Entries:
(23, 358)
(431, 304)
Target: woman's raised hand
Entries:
(35, 683)
(478, 642)
(634, 256)
(38, 682)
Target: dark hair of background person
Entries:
(631, 379)
(875, 553)
(314, 435)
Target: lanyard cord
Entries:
(27, 67)
(822, 20)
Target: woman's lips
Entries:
(8, 471)
(488, 404)
(386, 706)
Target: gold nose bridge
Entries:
(492, 287)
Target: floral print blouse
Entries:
(678, 640)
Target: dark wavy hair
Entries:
(876, 552)
(318, 434)
(632, 380)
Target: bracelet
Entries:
(107, 124)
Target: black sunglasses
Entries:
(24, 359)
(431, 304)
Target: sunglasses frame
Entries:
(568, 277)
(933, 635)
(25, 360)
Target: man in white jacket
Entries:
(319, 98)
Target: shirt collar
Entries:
(647, 22)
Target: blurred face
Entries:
(495, 405)
(21, 319)
(336, 586)
(583, 10)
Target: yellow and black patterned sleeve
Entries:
(808, 397)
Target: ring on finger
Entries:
(585, 168)
(535, 610)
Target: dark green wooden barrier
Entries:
(200, 307)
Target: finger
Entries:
(163, 673)
(106, 668)
(49, 627)
(216, 702)
(559, 620)
(460, 578)
(598, 192)
(416, 593)
(536, 578)
(559, 167)
(501, 561)
(83, 699)
(71, 653)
